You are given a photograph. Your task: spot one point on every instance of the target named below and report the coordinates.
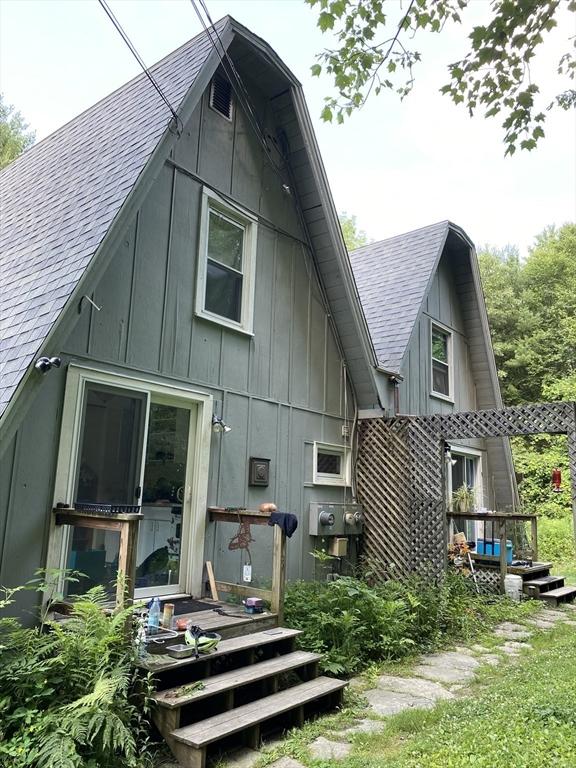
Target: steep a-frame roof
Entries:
(62, 197)
(393, 277)
(59, 199)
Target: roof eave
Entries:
(133, 199)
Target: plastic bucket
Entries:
(513, 587)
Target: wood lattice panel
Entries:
(382, 485)
(400, 477)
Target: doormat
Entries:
(191, 606)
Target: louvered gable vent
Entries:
(221, 96)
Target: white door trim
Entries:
(193, 533)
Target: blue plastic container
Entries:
(490, 547)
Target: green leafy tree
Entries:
(374, 52)
(14, 134)
(501, 272)
(353, 237)
(532, 312)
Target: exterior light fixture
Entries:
(218, 425)
(448, 454)
(44, 364)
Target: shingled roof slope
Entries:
(393, 277)
(60, 198)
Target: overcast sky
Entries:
(395, 165)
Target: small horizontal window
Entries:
(330, 464)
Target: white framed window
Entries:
(441, 361)
(331, 464)
(226, 264)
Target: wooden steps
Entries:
(226, 647)
(535, 587)
(224, 698)
(249, 717)
(172, 698)
(540, 585)
(560, 595)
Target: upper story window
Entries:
(226, 262)
(331, 464)
(441, 362)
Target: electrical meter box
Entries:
(336, 519)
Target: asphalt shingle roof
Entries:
(59, 199)
(393, 277)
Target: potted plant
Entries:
(463, 498)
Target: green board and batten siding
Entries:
(452, 302)
(280, 390)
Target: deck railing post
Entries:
(503, 553)
(534, 538)
(278, 572)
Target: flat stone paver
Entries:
(549, 615)
(513, 647)
(391, 702)
(422, 688)
(491, 658)
(443, 674)
(509, 626)
(362, 726)
(540, 623)
(451, 659)
(513, 634)
(570, 623)
(286, 762)
(480, 649)
(324, 749)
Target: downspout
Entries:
(395, 382)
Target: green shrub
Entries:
(67, 691)
(556, 540)
(349, 622)
(354, 624)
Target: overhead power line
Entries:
(149, 75)
(236, 82)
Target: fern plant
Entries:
(69, 693)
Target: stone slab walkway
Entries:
(438, 676)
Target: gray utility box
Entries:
(336, 519)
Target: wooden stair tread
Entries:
(229, 680)
(201, 734)
(560, 592)
(232, 645)
(543, 581)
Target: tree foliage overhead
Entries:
(353, 237)
(14, 134)
(375, 52)
(532, 312)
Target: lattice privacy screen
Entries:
(400, 477)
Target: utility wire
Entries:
(149, 75)
(236, 83)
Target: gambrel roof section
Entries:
(393, 277)
(61, 199)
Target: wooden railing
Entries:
(275, 595)
(500, 519)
